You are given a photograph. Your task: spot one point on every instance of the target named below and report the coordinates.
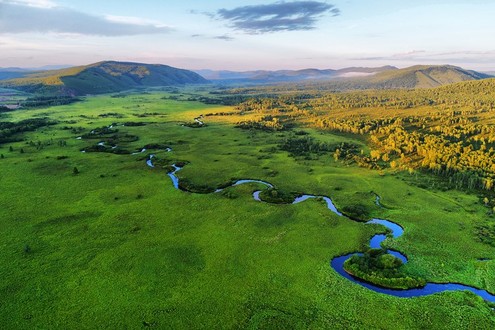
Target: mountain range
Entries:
(420, 76)
(266, 76)
(112, 76)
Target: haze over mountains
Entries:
(112, 76)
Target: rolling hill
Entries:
(102, 77)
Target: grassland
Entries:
(116, 246)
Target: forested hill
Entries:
(103, 77)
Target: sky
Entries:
(248, 35)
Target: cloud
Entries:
(12, 43)
(33, 3)
(422, 56)
(197, 12)
(224, 37)
(410, 55)
(22, 16)
(278, 16)
(468, 53)
(134, 21)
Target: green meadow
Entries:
(99, 240)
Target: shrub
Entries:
(276, 196)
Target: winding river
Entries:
(338, 263)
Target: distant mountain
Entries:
(11, 73)
(293, 75)
(36, 69)
(281, 76)
(363, 71)
(227, 75)
(386, 77)
(102, 77)
(14, 70)
(50, 67)
(5, 75)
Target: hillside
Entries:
(103, 77)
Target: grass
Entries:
(115, 246)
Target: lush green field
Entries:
(116, 246)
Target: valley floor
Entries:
(98, 239)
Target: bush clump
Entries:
(276, 196)
(104, 148)
(378, 267)
(304, 146)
